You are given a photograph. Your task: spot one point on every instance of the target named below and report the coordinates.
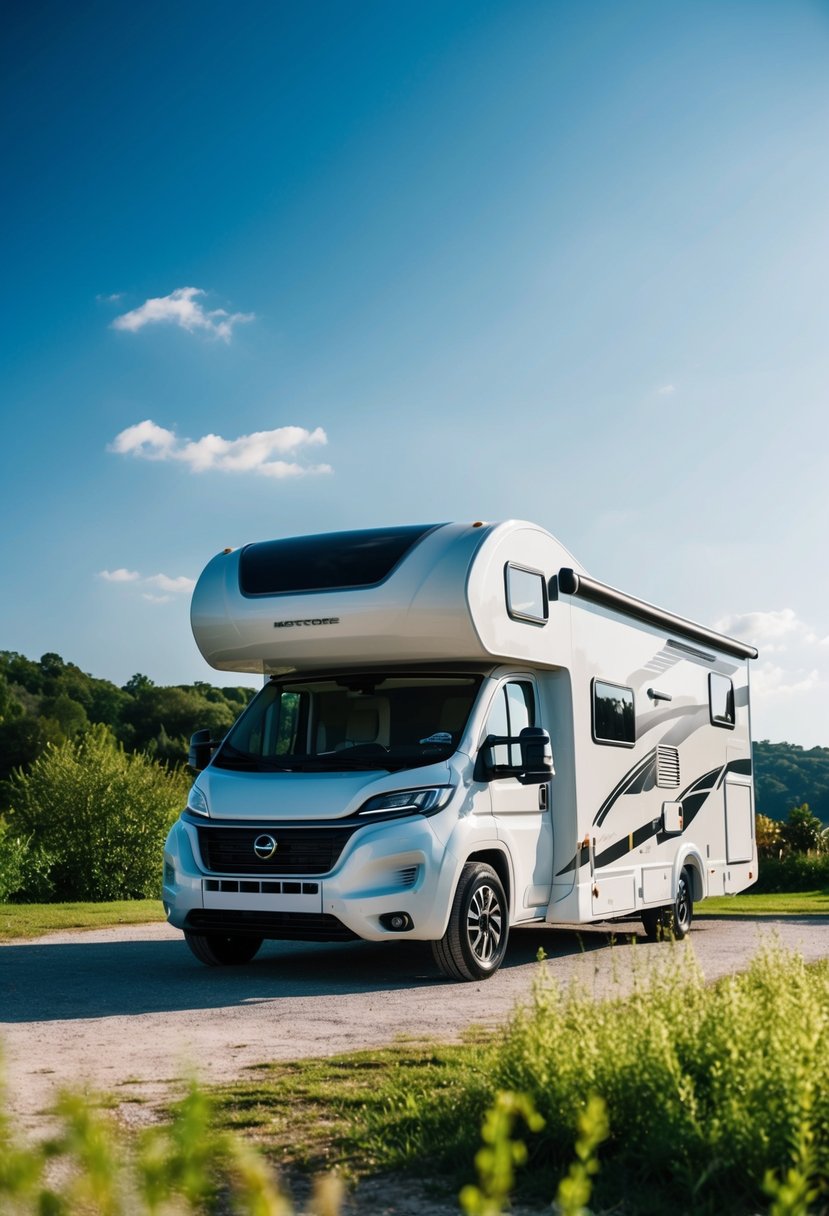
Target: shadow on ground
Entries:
(53, 982)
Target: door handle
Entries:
(542, 797)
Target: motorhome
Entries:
(460, 732)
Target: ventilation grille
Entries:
(407, 876)
(296, 926)
(298, 850)
(667, 767)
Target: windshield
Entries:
(352, 722)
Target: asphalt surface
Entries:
(129, 1010)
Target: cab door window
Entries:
(512, 710)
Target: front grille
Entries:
(298, 850)
(278, 926)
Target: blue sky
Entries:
(409, 262)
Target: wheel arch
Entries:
(500, 864)
(691, 861)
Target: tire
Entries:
(675, 920)
(475, 941)
(223, 949)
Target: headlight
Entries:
(197, 802)
(408, 802)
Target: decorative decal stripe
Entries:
(742, 767)
(692, 799)
(624, 786)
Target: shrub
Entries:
(802, 832)
(102, 815)
(793, 872)
(24, 868)
(769, 833)
(710, 1092)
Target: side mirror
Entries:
(536, 755)
(201, 749)
(536, 765)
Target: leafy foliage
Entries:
(803, 832)
(786, 775)
(793, 872)
(50, 701)
(99, 815)
(178, 1168)
(710, 1091)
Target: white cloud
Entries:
(163, 583)
(111, 299)
(121, 575)
(666, 390)
(182, 308)
(145, 439)
(769, 631)
(259, 452)
(179, 586)
(769, 680)
(792, 667)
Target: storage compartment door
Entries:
(739, 822)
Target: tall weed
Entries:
(711, 1091)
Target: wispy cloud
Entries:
(163, 583)
(800, 660)
(121, 575)
(770, 631)
(182, 307)
(666, 390)
(261, 452)
(178, 586)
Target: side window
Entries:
(614, 720)
(721, 700)
(527, 598)
(512, 710)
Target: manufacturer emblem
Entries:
(264, 847)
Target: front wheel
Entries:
(675, 920)
(475, 941)
(223, 949)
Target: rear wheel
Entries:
(675, 920)
(475, 941)
(223, 949)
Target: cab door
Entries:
(521, 812)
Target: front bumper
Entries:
(392, 866)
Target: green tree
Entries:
(802, 832)
(102, 815)
(70, 715)
(179, 711)
(23, 739)
(769, 833)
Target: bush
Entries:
(793, 872)
(803, 832)
(101, 815)
(711, 1092)
(23, 867)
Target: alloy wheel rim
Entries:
(485, 924)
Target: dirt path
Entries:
(128, 1010)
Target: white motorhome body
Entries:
(393, 778)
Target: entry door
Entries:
(522, 812)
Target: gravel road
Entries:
(128, 1010)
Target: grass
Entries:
(33, 920)
(710, 1092)
(795, 903)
